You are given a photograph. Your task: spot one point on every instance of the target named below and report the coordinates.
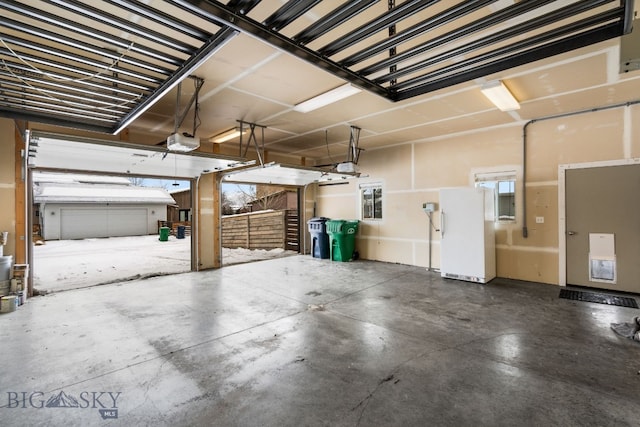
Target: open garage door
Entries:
(50, 151)
(289, 226)
(281, 174)
(129, 221)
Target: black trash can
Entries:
(319, 237)
(180, 232)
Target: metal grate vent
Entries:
(598, 298)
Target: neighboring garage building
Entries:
(86, 206)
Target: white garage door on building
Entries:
(102, 222)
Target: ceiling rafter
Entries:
(421, 68)
(495, 38)
(102, 69)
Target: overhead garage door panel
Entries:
(127, 222)
(102, 222)
(83, 223)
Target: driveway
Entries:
(71, 264)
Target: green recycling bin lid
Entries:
(341, 226)
(335, 226)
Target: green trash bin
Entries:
(342, 239)
(164, 234)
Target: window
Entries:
(371, 196)
(504, 188)
(184, 215)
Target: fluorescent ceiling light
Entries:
(498, 93)
(327, 98)
(227, 135)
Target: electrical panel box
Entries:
(429, 207)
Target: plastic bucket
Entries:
(5, 267)
(5, 287)
(8, 304)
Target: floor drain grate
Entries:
(598, 298)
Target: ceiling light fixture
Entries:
(501, 97)
(327, 98)
(227, 135)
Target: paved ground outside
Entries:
(71, 264)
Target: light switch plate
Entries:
(539, 220)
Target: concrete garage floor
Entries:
(300, 341)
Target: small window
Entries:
(184, 215)
(371, 196)
(504, 188)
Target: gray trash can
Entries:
(319, 237)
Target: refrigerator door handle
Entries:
(441, 223)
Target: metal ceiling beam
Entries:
(382, 22)
(78, 115)
(57, 107)
(116, 83)
(215, 42)
(68, 90)
(555, 48)
(243, 6)
(59, 39)
(95, 14)
(414, 31)
(218, 12)
(59, 53)
(21, 69)
(19, 95)
(160, 17)
(58, 21)
(53, 73)
(454, 35)
(333, 19)
(288, 13)
(484, 42)
(87, 100)
(570, 32)
(47, 118)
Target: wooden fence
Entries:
(261, 230)
(292, 230)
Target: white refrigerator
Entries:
(467, 227)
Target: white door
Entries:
(462, 231)
(83, 223)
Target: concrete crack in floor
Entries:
(365, 402)
(110, 282)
